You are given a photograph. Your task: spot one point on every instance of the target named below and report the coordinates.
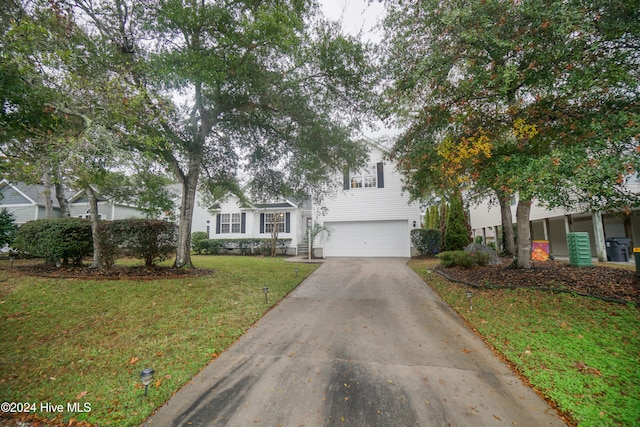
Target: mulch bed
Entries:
(607, 283)
(114, 273)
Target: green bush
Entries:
(463, 259)
(426, 241)
(55, 239)
(244, 246)
(197, 239)
(150, 240)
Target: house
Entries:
(233, 220)
(27, 201)
(553, 225)
(368, 215)
(108, 209)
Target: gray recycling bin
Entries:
(618, 249)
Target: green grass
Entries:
(66, 341)
(581, 353)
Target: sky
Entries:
(358, 16)
(355, 15)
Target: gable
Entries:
(10, 196)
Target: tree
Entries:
(456, 234)
(551, 87)
(264, 92)
(8, 228)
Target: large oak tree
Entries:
(553, 86)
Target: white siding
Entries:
(371, 210)
(371, 204)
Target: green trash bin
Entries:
(579, 249)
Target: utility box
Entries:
(579, 249)
(618, 249)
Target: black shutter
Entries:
(218, 224)
(345, 180)
(261, 223)
(287, 222)
(380, 168)
(243, 222)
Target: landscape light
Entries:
(146, 376)
(469, 296)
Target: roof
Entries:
(281, 205)
(35, 192)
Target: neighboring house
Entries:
(371, 216)
(232, 220)
(108, 209)
(554, 224)
(26, 201)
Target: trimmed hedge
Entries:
(244, 246)
(147, 239)
(426, 240)
(55, 239)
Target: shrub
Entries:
(456, 234)
(426, 241)
(150, 240)
(463, 259)
(478, 240)
(455, 258)
(55, 239)
(197, 239)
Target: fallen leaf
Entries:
(158, 382)
(81, 395)
(497, 418)
(464, 350)
(133, 360)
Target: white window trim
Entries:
(268, 223)
(368, 178)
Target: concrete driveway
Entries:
(361, 342)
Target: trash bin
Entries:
(636, 254)
(579, 249)
(618, 249)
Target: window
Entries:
(268, 222)
(366, 179)
(371, 177)
(230, 223)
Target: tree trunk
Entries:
(46, 194)
(65, 210)
(189, 187)
(507, 224)
(95, 232)
(524, 234)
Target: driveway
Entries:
(361, 342)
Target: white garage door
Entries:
(367, 239)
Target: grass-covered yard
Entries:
(84, 342)
(581, 353)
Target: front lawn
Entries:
(582, 354)
(82, 343)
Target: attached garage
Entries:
(367, 239)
